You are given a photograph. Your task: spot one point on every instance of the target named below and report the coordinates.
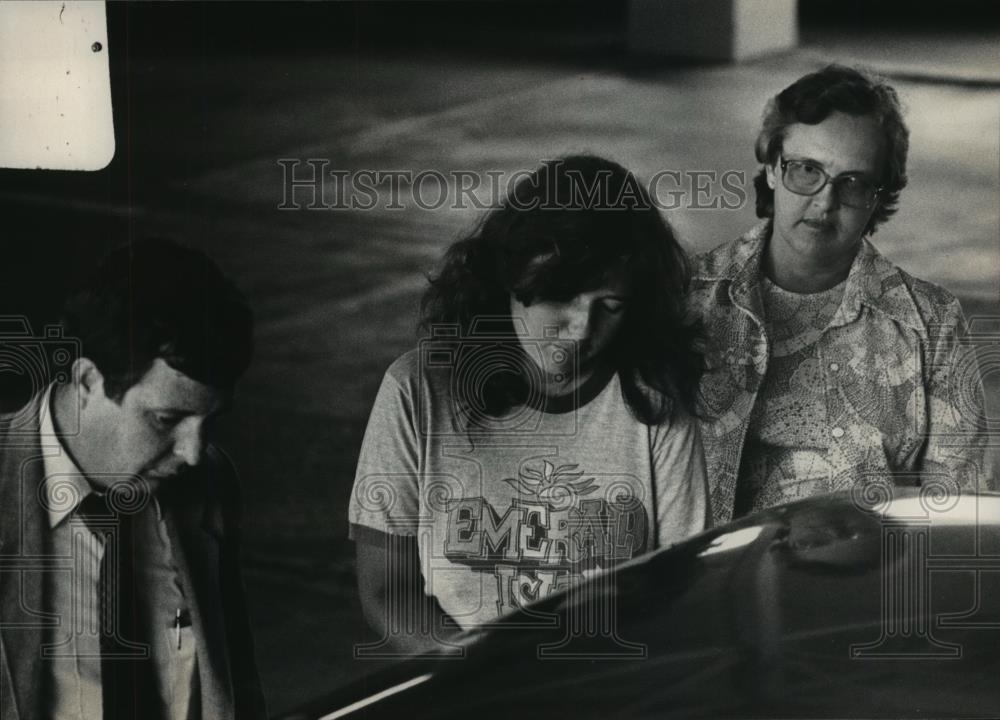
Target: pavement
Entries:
(335, 291)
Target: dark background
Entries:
(208, 97)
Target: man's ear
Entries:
(87, 380)
(769, 173)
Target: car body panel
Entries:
(875, 604)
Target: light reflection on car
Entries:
(873, 604)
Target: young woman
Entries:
(543, 428)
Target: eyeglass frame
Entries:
(828, 180)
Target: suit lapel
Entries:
(194, 538)
(23, 549)
(8, 705)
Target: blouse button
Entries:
(834, 367)
(838, 432)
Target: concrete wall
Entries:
(730, 30)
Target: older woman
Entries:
(828, 367)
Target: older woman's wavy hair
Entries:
(562, 231)
(810, 100)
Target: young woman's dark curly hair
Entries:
(562, 231)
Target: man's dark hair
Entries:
(156, 299)
(564, 230)
(810, 100)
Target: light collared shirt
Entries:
(73, 647)
(904, 395)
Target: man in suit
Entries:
(120, 591)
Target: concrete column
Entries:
(730, 30)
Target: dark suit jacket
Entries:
(202, 518)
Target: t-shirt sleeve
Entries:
(681, 481)
(386, 483)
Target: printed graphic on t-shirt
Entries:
(560, 524)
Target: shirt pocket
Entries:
(876, 380)
(727, 385)
(178, 674)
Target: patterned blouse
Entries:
(784, 457)
(884, 392)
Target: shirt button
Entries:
(835, 367)
(838, 432)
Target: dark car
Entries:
(883, 603)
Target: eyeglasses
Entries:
(806, 178)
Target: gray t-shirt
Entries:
(509, 515)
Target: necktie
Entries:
(126, 676)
